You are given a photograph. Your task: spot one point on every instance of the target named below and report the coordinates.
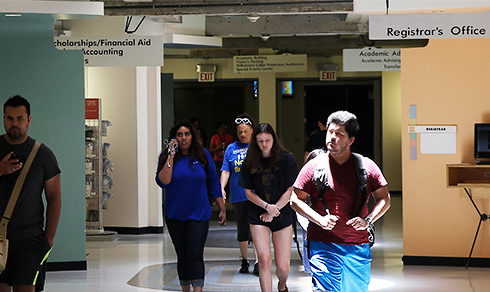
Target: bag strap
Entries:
(361, 173)
(17, 188)
(320, 178)
(362, 179)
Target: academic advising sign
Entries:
(371, 59)
(119, 51)
(429, 26)
(269, 63)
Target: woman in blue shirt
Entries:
(186, 171)
(232, 163)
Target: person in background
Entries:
(232, 164)
(200, 132)
(339, 249)
(303, 221)
(187, 173)
(30, 233)
(218, 145)
(267, 176)
(316, 140)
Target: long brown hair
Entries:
(254, 154)
(195, 150)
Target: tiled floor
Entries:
(147, 263)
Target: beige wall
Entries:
(448, 82)
(391, 122)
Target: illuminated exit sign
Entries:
(206, 77)
(328, 75)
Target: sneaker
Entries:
(256, 269)
(244, 267)
(285, 289)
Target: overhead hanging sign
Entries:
(429, 26)
(118, 51)
(269, 63)
(371, 59)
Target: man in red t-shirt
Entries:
(218, 145)
(340, 255)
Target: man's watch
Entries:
(369, 220)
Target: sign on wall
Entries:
(92, 108)
(371, 59)
(206, 77)
(328, 75)
(429, 26)
(269, 63)
(118, 51)
(436, 139)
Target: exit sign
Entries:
(206, 77)
(328, 75)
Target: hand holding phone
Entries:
(175, 146)
(10, 163)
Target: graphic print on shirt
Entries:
(242, 153)
(267, 177)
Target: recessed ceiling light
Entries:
(13, 15)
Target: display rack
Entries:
(97, 182)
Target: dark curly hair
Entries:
(242, 118)
(252, 160)
(195, 150)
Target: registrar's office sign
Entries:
(429, 26)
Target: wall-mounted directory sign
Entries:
(119, 51)
(269, 63)
(371, 59)
(429, 26)
(436, 139)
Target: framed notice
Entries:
(92, 108)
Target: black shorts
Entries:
(26, 262)
(284, 220)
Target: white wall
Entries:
(131, 101)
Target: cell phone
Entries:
(176, 147)
(14, 156)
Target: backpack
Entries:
(320, 178)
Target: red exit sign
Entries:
(328, 75)
(206, 77)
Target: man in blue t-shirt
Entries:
(232, 164)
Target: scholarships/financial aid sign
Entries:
(118, 51)
(429, 26)
(371, 59)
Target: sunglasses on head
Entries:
(242, 121)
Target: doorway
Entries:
(313, 98)
(322, 100)
(214, 102)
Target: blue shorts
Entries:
(340, 267)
